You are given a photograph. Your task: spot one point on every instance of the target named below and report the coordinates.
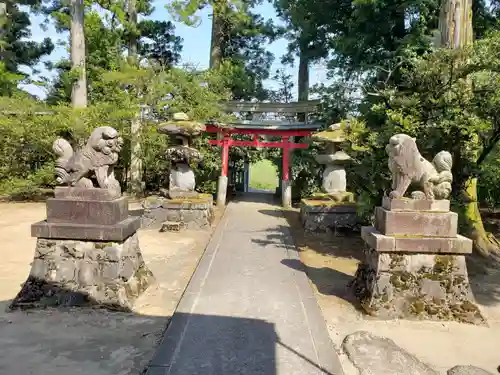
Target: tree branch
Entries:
(487, 149)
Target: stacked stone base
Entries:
(87, 253)
(78, 273)
(194, 213)
(419, 274)
(322, 214)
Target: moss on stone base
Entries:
(417, 286)
(201, 198)
(330, 199)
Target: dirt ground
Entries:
(331, 264)
(88, 341)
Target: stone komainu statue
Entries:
(408, 166)
(95, 161)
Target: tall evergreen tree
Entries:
(16, 50)
(238, 37)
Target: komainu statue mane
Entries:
(409, 167)
(94, 162)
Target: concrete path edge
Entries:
(175, 328)
(327, 355)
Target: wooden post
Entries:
(286, 187)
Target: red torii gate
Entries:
(255, 128)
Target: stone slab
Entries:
(416, 223)
(175, 204)
(78, 211)
(76, 273)
(245, 310)
(407, 204)
(191, 219)
(436, 245)
(375, 355)
(327, 222)
(96, 194)
(467, 370)
(326, 207)
(94, 232)
(179, 194)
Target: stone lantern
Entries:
(334, 158)
(182, 180)
(335, 207)
(180, 206)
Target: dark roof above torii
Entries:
(258, 114)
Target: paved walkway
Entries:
(244, 311)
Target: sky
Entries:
(196, 45)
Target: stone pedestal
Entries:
(414, 264)
(326, 213)
(286, 193)
(87, 252)
(222, 191)
(193, 213)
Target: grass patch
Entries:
(263, 175)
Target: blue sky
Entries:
(196, 43)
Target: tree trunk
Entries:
(303, 77)
(217, 42)
(3, 24)
(455, 26)
(3, 29)
(455, 23)
(303, 80)
(132, 36)
(484, 243)
(79, 90)
(136, 166)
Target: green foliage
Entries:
(242, 41)
(16, 50)
(489, 181)
(106, 39)
(8, 81)
(158, 42)
(26, 152)
(245, 48)
(284, 92)
(305, 172)
(448, 100)
(26, 156)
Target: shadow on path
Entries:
(339, 252)
(93, 337)
(328, 281)
(223, 346)
(77, 340)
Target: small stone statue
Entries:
(94, 162)
(182, 181)
(408, 166)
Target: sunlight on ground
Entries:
(263, 175)
(331, 263)
(86, 341)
